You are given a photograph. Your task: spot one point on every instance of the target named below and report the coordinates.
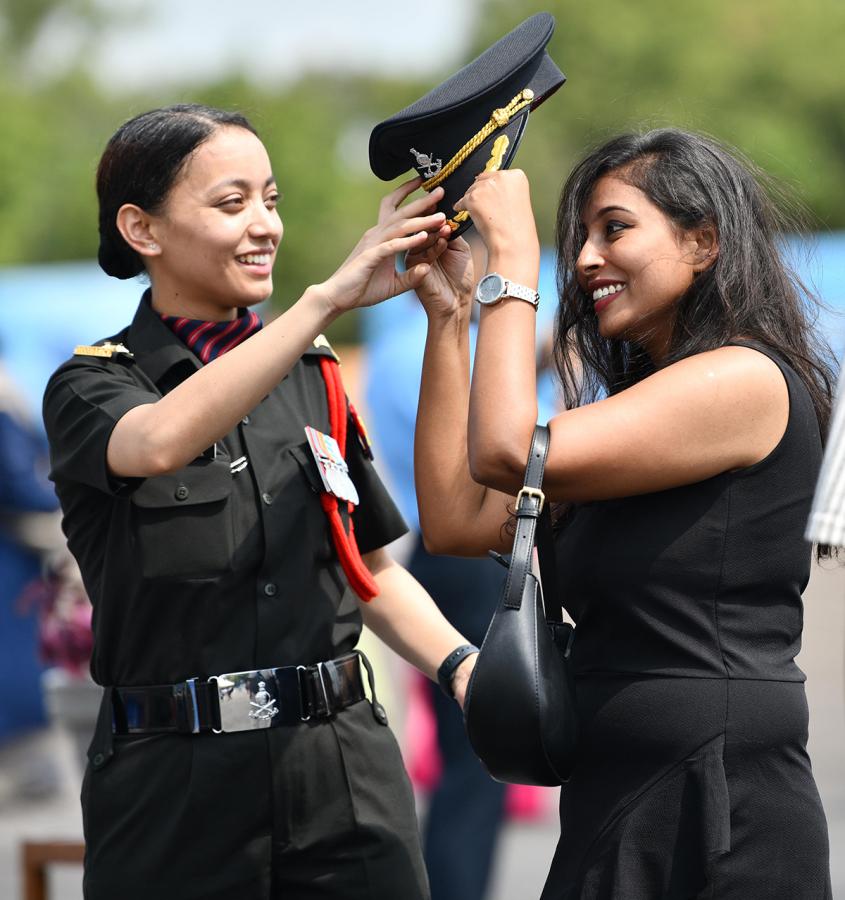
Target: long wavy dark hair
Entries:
(749, 291)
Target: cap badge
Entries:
(430, 167)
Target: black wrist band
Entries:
(446, 672)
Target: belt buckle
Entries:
(193, 711)
(244, 700)
(328, 712)
(303, 692)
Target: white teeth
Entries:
(255, 259)
(604, 291)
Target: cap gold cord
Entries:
(498, 119)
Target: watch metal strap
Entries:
(521, 292)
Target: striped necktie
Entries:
(208, 340)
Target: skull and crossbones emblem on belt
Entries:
(265, 705)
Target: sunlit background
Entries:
(763, 75)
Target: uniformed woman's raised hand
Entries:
(369, 273)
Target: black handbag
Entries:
(519, 709)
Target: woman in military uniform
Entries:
(219, 496)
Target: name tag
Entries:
(332, 466)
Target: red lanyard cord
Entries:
(359, 576)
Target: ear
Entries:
(135, 225)
(706, 247)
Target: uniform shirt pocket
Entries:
(303, 456)
(183, 522)
(304, 495)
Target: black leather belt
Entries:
(243, 701)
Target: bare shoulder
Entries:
(713, 412)
(738, 395)
(738, 360)
(730, 376)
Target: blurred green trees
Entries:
(763, 75)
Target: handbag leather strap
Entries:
(548, 568)
(533, 525)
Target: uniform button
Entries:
(245, 420)
(98, 760)
(270, 589)
(181, 492)
(267, 498)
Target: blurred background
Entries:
(763, 75)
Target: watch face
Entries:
(490, 288)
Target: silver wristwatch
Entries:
(493, 287)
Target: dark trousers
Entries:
(322, 810)
(467, 806)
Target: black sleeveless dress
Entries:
(693, 779)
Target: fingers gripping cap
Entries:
(472, 122)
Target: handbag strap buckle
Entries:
(530, 494)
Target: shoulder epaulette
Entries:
(106, 349)
(321, 346)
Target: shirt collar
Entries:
(156, 348)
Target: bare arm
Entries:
(707, 414)
(710, 413)
(503, 403)
(457, 515)
(704, 415)
(405, 618)
(166, 435)
(163, 436)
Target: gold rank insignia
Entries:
(107, 350)
(322, 341)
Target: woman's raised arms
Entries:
(163, 436)
(706, 414)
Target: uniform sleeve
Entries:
(82, 403)
(827, 517)
(377, 519)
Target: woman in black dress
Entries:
(697, 400)
(236, 754)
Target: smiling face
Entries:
(634, 265)
(216, 237)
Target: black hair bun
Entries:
(117, 258)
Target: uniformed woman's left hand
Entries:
(369, 275)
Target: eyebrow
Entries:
(607, 209)
(241, 183)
